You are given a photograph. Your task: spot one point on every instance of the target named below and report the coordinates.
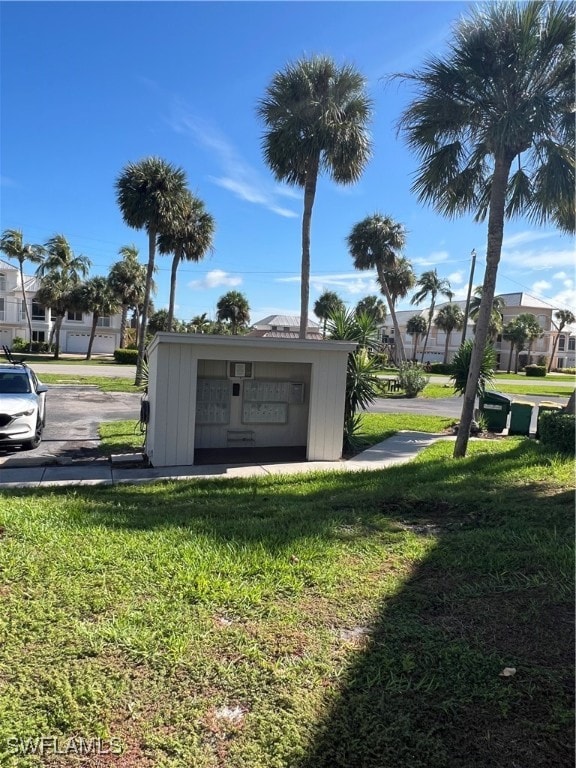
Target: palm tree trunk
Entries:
(554, 345)
(493, 250)
(92, 334)
(309, 195)
(415, 347)
(170, 316)
(430, 316)
(400, 353)
(510, 356)
(446, 348)
(26, 310)
(147, 290)
(123, 321)
(57, 326)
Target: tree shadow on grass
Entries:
(423, 688)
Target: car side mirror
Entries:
(41, 388)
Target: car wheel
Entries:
(29, 445)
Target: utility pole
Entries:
(466, 311)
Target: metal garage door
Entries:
(77, 343)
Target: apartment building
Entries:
(76, 327)
(514, 305)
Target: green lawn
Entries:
(336, 619)
(105, 383)
(548, 389)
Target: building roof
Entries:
(265, 333)
(524, 300)
(282, 321)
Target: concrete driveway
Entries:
(73, 416)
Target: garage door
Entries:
(77, 343)
(5, 337)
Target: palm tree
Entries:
(376, 243)
(56, 292)
(533, 330)
(189, 237)
(325, 305)
(449, 318)
(430, 287)
(400, 279)
(97, 296)
(496, 322)
(60, 273)
(128, 280)
(514, 333)
(372, 306)
(233, 308)
(416, 327)
(315, 115)
(198, 324)
(502, 94)
(564, 317)
(12, 244)
(150, 194)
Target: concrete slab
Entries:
(21, 477)
(78, 475)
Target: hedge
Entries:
(445, 368)
(557, 430)
(126, 356)
(535, 370)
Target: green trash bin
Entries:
(520, 417)
(542, 408)
(495, 407)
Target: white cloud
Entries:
(347, 283)
(455, 278)
(560, 276)
(436, 257)
(550, 259)
(540, 287)
(216, 278)
(238, 177)
(565, 299)
(520, 238)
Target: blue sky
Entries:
(88, 87)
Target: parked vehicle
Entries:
(22, 405)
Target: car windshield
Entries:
(14, 383)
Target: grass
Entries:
(334, 619)
(120, 437)
(539, 390)
(105, 383)
(63, 360)
(126, 437)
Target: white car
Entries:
(22, 406)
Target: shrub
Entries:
(19, 344)
(556, 429)
(412, 378)
(126, 356)
(444, 368)
(569, 371)
(535, 370)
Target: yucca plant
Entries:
(461, 365)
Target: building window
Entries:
(2, 308)
(39, 336)
(572, 344)
(2, 281)
(21, 310)
(560, 362)
(561, 343)
(103, 322)
(75, 317)
(38, 311)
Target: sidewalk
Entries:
(399, 449)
